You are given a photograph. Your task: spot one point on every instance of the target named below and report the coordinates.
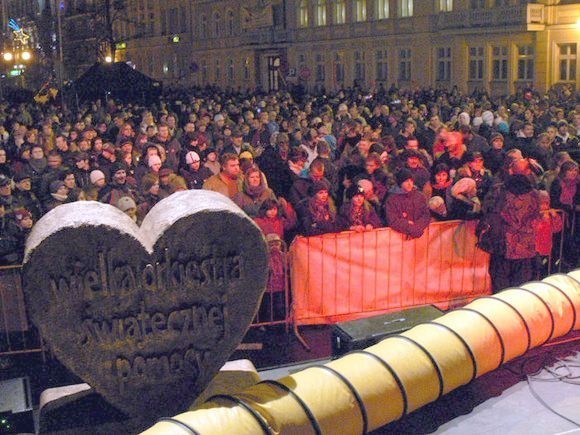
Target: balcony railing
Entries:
(500, 16)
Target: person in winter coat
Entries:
(357, 214)
(254, 192)
(406, 208)
(520, 209)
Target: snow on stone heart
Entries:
(146, 316)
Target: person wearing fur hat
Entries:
(318, 212)
(117, 187)
(254, 192)
(194, 174)
(357, 214)
(128, 206)
(58, 195)
(406, 208)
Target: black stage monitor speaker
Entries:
(358, 334)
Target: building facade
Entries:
(493, 45)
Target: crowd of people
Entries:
(350, 160)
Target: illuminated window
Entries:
(340, 12)
(525, 62)
(445, 5)
(320, 16)
(444, 64)
(382, 9)
(303, 13)
(405, 8)
(567, 59)
(499, 63)
(476, 63)
(360, 10)
(405, 64)
(381, 59)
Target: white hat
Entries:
(191, 157)
(96, 175)
(125, 203)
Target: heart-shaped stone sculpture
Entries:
(146, 316)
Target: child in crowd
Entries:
(548, 224)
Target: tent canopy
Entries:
(115, 80)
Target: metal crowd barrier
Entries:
(17, 335)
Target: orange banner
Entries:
(348, 275)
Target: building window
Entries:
(499, 63)
(360, 10)
(405, 8)
(444, 64)
(303, 13)
(218, 71)
(525, 62)
(320, 16)
(230, 23)
(163, 24)
(217, 24)
(405, 64)
(203, 26)
(567, 58)
(231, 70)
(475, 63)
(445, 5)
(339, 68)
(381, 65)
(359, 67)
(381, 9)
(320, 69)
(182, 19)
(204, 75)
(477, 4)
(247, 68)
(340, 12)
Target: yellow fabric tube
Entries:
(508, 321)
(560, 305)
(415, 369)
(367, 389)
(481, 336)
(454, 360)
(381, 394)
(535, 312)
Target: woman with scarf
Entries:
(254, 192)
(318, 213)
(357, 214)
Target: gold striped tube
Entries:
(367, 389)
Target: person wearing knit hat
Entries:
(357, 214)
(495, 156)
(176, 183)
(128, 206)
(118, 185)
(319, 185)
(195, 174)
(98, 178)
(464, 202)
(154, 163)
(406, 208)
(318, 212)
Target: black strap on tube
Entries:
(500, 338)
(563, 293)
(354, 392)
(257, 416)
(460, 338)
(553, 325)
(431, 358)
(396, 377)
(179, 423)
(313, 421)
(526, 327)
